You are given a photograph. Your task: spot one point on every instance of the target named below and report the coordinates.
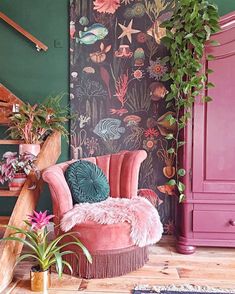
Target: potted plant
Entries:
(46, 253)
(33, 123)
(15, 168)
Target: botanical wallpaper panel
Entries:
(117, 64)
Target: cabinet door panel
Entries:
(214, 123)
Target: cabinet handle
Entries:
(232, 223)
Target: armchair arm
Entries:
(60, 192)
(149, 195)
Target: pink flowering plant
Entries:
(45, 252)
(11, 164)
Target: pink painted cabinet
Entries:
(207, 218)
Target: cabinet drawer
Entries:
(214, 221)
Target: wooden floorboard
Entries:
(213, 267)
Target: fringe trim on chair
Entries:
(107, 264)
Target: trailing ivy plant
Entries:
(187, 32)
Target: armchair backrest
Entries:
(121, 170)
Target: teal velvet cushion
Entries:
(87, 182)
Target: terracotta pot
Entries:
(17, 182)
(40, 281)
(32, 148)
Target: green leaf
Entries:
(171, 182)
(182, 197)
(206, 99)
(209, 71)
(59, 265)
(214, 43)
(171, 150)
(181, 143)
(181, 172)
(169, 136)
(210, 57)
(188, 36)
(210, 85)
(181, 187)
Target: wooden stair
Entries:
(26, 199)
(7, 100)
(25, 204)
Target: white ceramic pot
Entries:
(31, 148)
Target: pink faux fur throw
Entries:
(146, 227)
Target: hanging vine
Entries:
(187, 32)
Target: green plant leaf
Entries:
(171, 182)
(169, 136)
(59, 265)
(210, 57)
(182, 198)
(181, 187)
(171, 150)
(206, 99)
(181, 172)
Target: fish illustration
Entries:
(87, 39)
(109, 129)
(151, 196)
(92, 34)
(167, 189)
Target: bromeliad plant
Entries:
(187, 32)
(46, 253)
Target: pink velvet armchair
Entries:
(111, 247)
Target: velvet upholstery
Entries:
(122, 172)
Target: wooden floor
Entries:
(208, 266)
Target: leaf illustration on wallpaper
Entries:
(106, 79)
(127, 31)
(156, 31)
(100, 56)
(77, 142)
(107, 6)
(109, 129)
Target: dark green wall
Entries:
(225, 6)
(34, 75)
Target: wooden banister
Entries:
(39, 44)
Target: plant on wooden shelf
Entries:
(187, 32)
(15, 168)
(33, 123)
(46, 253)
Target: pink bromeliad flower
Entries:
(39, 220)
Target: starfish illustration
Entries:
(127, 31)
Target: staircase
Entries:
(26, 199)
